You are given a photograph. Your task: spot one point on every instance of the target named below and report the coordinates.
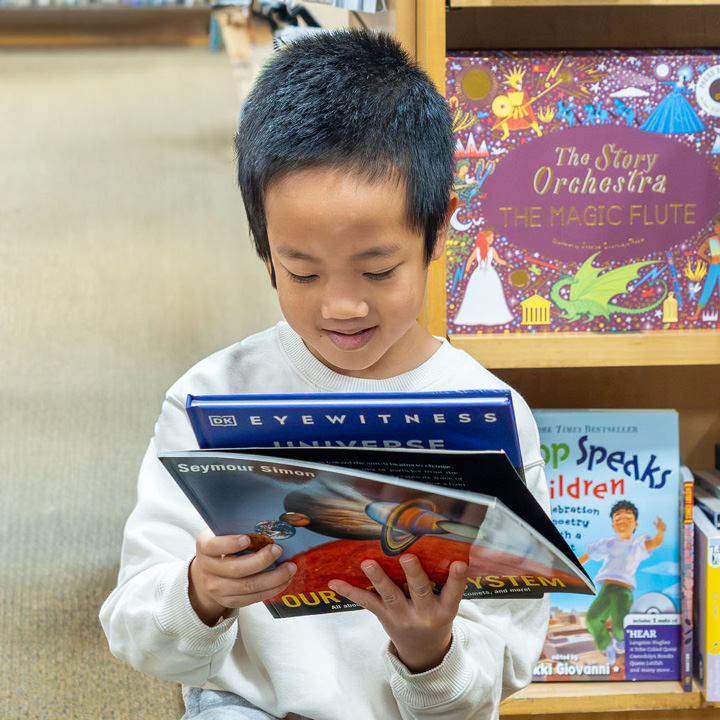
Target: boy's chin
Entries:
(353, 363)
(353, 367)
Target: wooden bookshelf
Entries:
(688, 363)
(538, 24)
(661, 369)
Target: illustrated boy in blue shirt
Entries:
(621, 554)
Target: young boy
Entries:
(345, 154)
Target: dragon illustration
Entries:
(590, 292)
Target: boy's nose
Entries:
(343, 305)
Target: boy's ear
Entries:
(271, 272)
(442, 233)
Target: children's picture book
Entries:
(454, 420)
(330, 516)
(616, 497)
(588, 184)
(707, 605)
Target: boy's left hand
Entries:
(420, 627)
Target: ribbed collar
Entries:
(327, 380)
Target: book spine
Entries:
(687, 537)
(197, 420)
(440, 424)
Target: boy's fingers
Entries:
(390, 593)
(218, 545)
(234, 592)
(240, 566)
(455, 585)
(418, 582)
(364, 598)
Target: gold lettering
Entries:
(602, 162)
(542, 180)
(476, 581)
(552, 582)
(613, 207)
(660, 184)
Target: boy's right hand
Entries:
(220, 579)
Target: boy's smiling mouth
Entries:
(345, 340)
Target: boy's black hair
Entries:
(350, 100)
(624, 505)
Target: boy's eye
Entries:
(301, 278)
(381, 275)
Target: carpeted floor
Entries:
(125, 259)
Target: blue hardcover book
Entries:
(450, 420)
(616, 496)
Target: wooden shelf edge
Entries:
(542, 350)
(573, 3)
(550, 698)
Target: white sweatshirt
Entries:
(324, 667)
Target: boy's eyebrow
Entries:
(383, 250)
(293, 253)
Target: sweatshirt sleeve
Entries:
(496, 643)
(148, 619)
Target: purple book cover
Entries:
(589, 187)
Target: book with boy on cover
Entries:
(329, 513)
(616, 496)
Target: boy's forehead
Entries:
(340, 175)
(322, 196)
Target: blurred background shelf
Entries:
(99, 25)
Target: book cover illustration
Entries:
(454, 420)
(589, 187)
(329, 518)
(707, 605)
(616, 495)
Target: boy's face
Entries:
(624, 523)
(350, 273)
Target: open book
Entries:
(330, 508)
